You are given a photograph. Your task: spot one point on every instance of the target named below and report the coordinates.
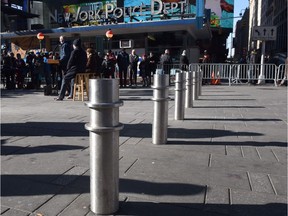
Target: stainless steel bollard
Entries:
(179, 96)
(104, 130)
(200, 77)
(189, 90)
(160, 98)
(195, 85)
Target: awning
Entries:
(190, 25)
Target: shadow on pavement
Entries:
(60, 129)
(230, 107)
(226, 99)
(137, 204)
(227, 143)
(232, 119)
(33, 185)
(145, 131)
(18, 150)
(136, 207)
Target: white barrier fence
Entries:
(241, 73)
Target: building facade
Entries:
(153, 26)
(269, 13)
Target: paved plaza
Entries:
(227, 157)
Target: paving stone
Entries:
(60, 201)
(245, 164)
(280, 183)
(250, 152)
(254, 203)
(70, 175)
(217, 199)
(15, 212)
(281, 154)
(234, 151)
(4, 209)
(25, 195)
(261, 183)
(39, 166)
(266, 154)
(80, 206)
(140, 206)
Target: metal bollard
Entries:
(195, 85)
(104, 130)
(160, 98)
(189, 90)
(200, 76)
(179, 96)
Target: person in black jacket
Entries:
(123, 63)
(167, 63)
(144, 70)
(77, 63)
(65, 51)
(153, 60)
(184, 62)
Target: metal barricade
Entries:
(281, 75)
(239, 73)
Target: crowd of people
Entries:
(74, 59)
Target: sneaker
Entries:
(58, 99)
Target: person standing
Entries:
(109, 65)
(65, 52)
(91, 61)
(184, 62)
(98, 65)
(20, 71)
(76, 63)
(7, 62)
(152, 59)
(38, 70)
(123, 63)
(167, 63)
(144, 70)
(133, 59)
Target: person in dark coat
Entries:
(153, 60)
(92, 62)
(77, 63)
(167, 63)
(144, 70)
(123, 63)
(65, 52)
(184, 62)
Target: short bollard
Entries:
(179, 96)
(200, 76)
(104, 130)
(195, 85)
(189, 90)
(160, 98)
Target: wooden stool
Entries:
(81, 85)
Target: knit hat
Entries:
(77, 42)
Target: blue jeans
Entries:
(67, 80)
